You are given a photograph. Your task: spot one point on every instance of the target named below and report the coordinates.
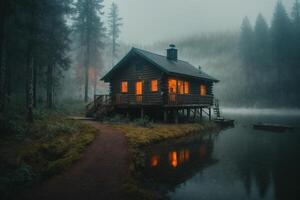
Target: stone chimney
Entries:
(172, 52)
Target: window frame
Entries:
(151, 89)
(169, 80)
(180, 87)
(188, 88)
(136, 87)
(124, 81)
(205, 90)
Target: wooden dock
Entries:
(273, 127)
(224, 123)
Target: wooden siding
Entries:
(194, 92)
(130, 73)
(137, 69)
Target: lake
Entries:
(237, 163)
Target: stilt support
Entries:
(201, 114)
(142, 112)
(176, 116)
(165, 115)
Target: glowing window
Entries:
(186, 87)
(203, 90)
(139, 88)
(154, 86)
(172, 86)
(124, 87)
(180, 87)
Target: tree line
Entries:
(270, 56)
(41, 39)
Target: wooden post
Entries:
(209, 112)
(142, 112)
(176, 116)
(201, 114)
(165, 115)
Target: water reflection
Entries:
(154, 160)
(239, 163)
(172, 164)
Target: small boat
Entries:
(272, 127)
(224, 122)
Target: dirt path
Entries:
(97, 175)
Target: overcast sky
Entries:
(149, 21)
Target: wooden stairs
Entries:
(221, 121)
(216, 108)
(100, 107)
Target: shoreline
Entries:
(140, 137)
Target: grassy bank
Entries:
(29, 153)
(140, 136)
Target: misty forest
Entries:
(56, 51)
(53, 54)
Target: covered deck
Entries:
(172, 105)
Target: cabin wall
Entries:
(138, 70)
(194, 85)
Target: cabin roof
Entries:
(176, 67)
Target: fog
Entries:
(146, 22)
(261, 111)
(209, 33)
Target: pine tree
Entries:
(246, 50)
(5, 12)
(90, 32)
(296, 32)
(246, 46)
(281, 34)
(281, 42)
(57, 45)
(114, 24)
(262, 42)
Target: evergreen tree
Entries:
(281, 34)
(57, 44)
(90, 32)
(246, 50)
(246, 44)
(281, 42)
(261, 37)
(296, 32)
(6, 10)
(114, 24)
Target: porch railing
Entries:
(186, 99)
(170, 99)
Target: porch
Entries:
(170, 100)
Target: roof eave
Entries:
(106, 77)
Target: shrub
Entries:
(144, 122)
(118, 119)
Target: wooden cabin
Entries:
(150, 83)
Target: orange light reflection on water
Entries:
(173, 158)
(178, 158)
(154, 160)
